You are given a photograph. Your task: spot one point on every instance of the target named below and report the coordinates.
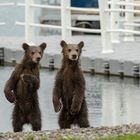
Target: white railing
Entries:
(5, 4)
(110, 21)
(65, 26)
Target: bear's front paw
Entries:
(11, 98)
(26, 77)
(57, 106)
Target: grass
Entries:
(68, 139)
(30, 137)
(124, 137)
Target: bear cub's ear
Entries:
(43, 46)
(81, 44)
(25, 46)
(63, 43)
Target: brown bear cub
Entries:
(69, 89)
(21, 89)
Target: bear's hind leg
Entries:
(64, 120)
(36, 125)
(17, 126)
(35, 120)
(82, 117)
(18, 120)
(82, 122)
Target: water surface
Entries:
(111, 101)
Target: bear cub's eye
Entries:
(39, 52)
(69, 50)
(77, 50)
(33, 53)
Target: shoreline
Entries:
(79, 133)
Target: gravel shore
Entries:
(83, 134)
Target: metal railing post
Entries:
(129, 17)
(114, 22)
(105, 25)
(66, 20)
(29, 18)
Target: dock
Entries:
(124, 61)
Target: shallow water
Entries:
(111, 101)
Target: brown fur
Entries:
(69, 89)
(21, 89)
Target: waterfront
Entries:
(111, 101)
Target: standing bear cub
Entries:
(69, 89)
(21, 89)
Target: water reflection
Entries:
(118, 99)
(111, 101)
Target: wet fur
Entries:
(21, 89)
(69, 93)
